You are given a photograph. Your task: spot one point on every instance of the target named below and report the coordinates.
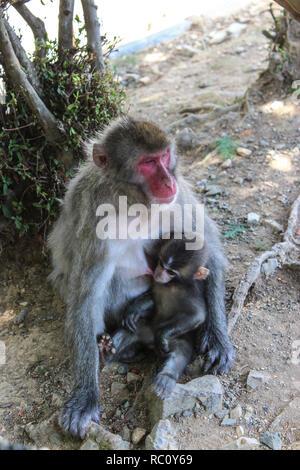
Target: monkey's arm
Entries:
(141, 307)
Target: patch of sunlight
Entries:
(153, 97)
(279, 108)
(155, 57)
(281, 163)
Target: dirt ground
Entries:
(35, 378)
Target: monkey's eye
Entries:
(148, 162)
(172, 273)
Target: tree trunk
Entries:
(65, 27)
(93, 33)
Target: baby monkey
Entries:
(165, 317)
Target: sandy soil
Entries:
(35, 378)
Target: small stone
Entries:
(242, 443)
(271, 440)
(212, 190)
(239, 431)
(125, 434)
(217, 37)
(243, 152)
(238, 180)
(145, 80)
(228, 422)
(275, 225)
(105, 439)
(162, 437)
(236, 413)
(119, 390)
(187, 50)
(227, 163)
(253, 218)
(256, 379)
(89, 445)
(235, 29)
(221, 414)
(270, 266)
(137, 435)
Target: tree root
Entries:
(289, 253)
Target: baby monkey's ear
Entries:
(202, 273)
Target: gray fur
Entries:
(89, 275)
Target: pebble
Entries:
(235, 29)
(228, 422)
(212, 190)
(271, 440)
(132, 377)
(253, 218)
(256, 379)
(270, 266)
(187, 139)
(120, 390)
(122, 369)
(162, 437)
(89, 445)
(275, 225)
(125, 433)
(221, 414)
(239, 431)
(243, 152)
(137, 435)
(236, 412)
(217, 37)
(242, 443)
(145, 80)
(187, 50)
(227, 163)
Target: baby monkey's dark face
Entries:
(176, 262)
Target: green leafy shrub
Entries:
(32, 176)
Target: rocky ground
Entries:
(248, 192)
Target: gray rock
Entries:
(228, 422)
(105, 439)
(256, 379)
(122, 369)
(253, 218)
(137, 435)
(162, 437)
(145, 81)
(242, 443)
(270, 266)
(45, 433)
(271, 440)
(89, 445)
(119, 390)
(273, 224)
(221, 414)
(217, 37)
(212, 190)
(187, 50)
(207, 390)
(235, 29)
(227, 163)
(131, 377)
(236, 412)
(126, 434)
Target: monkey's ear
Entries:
(100, 155)
(202, 273)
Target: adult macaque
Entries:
(166, 317)
(99, 277)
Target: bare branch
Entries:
(53, 128)
(288, 252)
(22, 57)
(36, 24)
(93, 33)
(65, 27)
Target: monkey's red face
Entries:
(155, 172)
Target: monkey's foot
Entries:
(77, 414)
(163, 385)
(106, 347)
(218, 351)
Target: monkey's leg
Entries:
(173, 366)
(168, 331)
(213, 338)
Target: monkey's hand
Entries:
(162, 341)
(78, 412)
(130, 321)
(218, 351)
(163, 385)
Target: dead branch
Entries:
(53, 128)
(93, 33)
(65, 27)
(36, 25)
(287, 251)
(22, 57)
